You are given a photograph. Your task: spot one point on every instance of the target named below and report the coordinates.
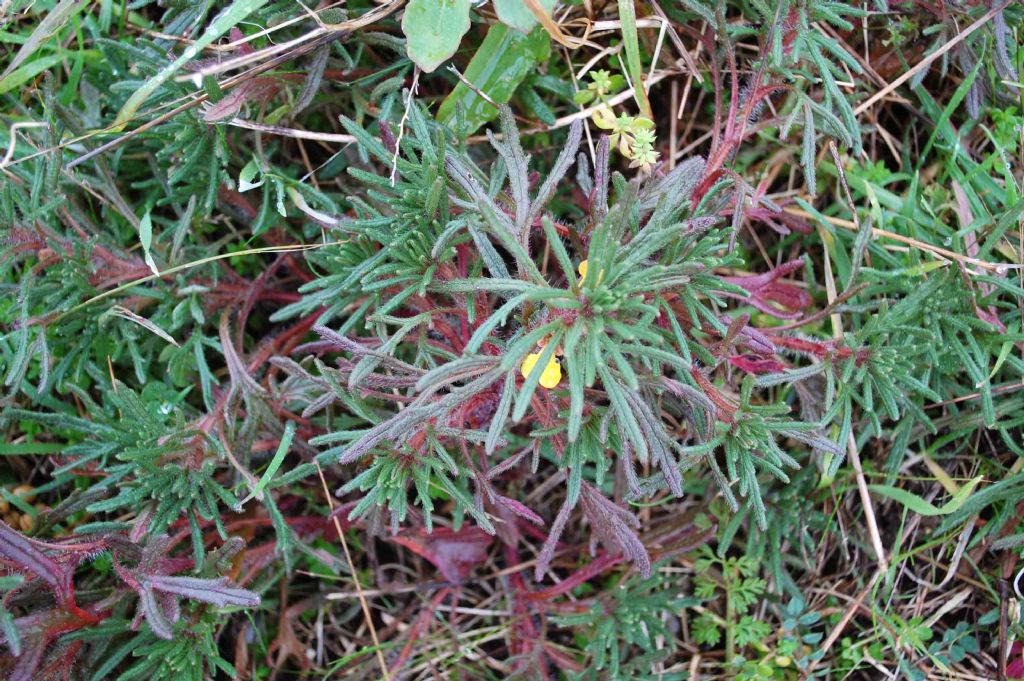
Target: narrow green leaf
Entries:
(807, 155)
(52, 22)
(558, 248)
(494, 431)
(29, 71)
(530, 384)
(918, 505)
(574, 360)
(275, 463)
(223, 23)
(631, 42)
(30, 448)
(146, 239)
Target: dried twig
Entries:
(938, 251)
(401, 123)
(927, 61)
(355, 577)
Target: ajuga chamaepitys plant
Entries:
(504, 330)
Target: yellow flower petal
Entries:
(529, 363)
(550, 376)
(584, 268)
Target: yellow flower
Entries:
(582, 269)
(552, 374)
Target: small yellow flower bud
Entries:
(552, 374)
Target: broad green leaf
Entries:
(922, 507)
(516, 14)
(433, 30)
(500, 64)
(223, 23)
